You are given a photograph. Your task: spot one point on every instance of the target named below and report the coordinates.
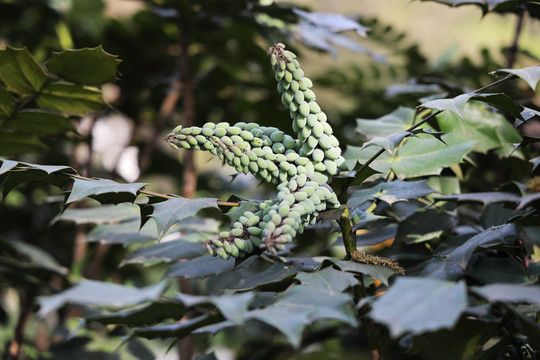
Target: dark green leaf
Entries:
(235, 214)
(502, 102)
(168, 251)
(200, 267)
(419, 305)
(171, 211)
(457, 260)
(380, 273)
(20, 72)
(7, 102)
(70, 99)
(391, 192)
(233, 307)
(328, 280)
(511, 293)
(143, 314)
(40, 122)
(363, 219)
(19, 176)
(527, 325)
(483, 198)
(255, 272)
(96, 293)
(530, 74)
(50, 169)
(528, 200)
(177, 330)
(489, 270)
(85, 66)
(424, 225)
(99, 189)
(15, 144)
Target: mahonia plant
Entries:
(301, 167)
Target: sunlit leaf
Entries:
(102, 189)
(70, 99)
(455, 105)
(20, 72)
(394, 123)
(85, 66)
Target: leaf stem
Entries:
(349, 236)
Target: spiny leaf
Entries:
(289, 322)
(388, 143)
(233, 307)
(454, 105)
(530, 74)
(168, 251)
(105, 214)
(20, 72)
(70, 99)
(171, 211)
(7, 165)
(329, 280)
(7, 102)
(502, 102)
(419, 305)
(97, 293)
(124, 233)
(380, 273)
(420, 157)
(85, 66)
(102, 189)
(40, 122)
(395, 122)
(178, 329)
(16, 144)
(456, 261)
(511, 293)
(390, 192)
(200, 267)
(484, 198)
(142, 314)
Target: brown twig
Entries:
(15, 347)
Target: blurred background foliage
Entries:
(413, 49)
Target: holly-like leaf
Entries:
(289, 322)
(233, 307)
(20, 72)
(124, 233)
(502, 102)
(171, 211)
(16, 144)
(333, 22)
(167, 251)
(488, 129)
(7, 102)
(40, 122)
(510, 293)
(380, 273)
(391, 192)
(142, 314)
(70, 99)
(484, 198)
(418, 305)
(420, 157)
(97, 293)
(388, 143)
(329, 280)
(394, 123)
(455, 105)
(178, 329)
(102, 189)
(200, 267)
(528, 200)
(530, 74)
(7, 165)
(457, 260)
(85, 66)
(105, 214)
(424, 225)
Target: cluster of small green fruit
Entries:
(300, 167)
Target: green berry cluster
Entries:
(299, 167)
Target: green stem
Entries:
(349, 236)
